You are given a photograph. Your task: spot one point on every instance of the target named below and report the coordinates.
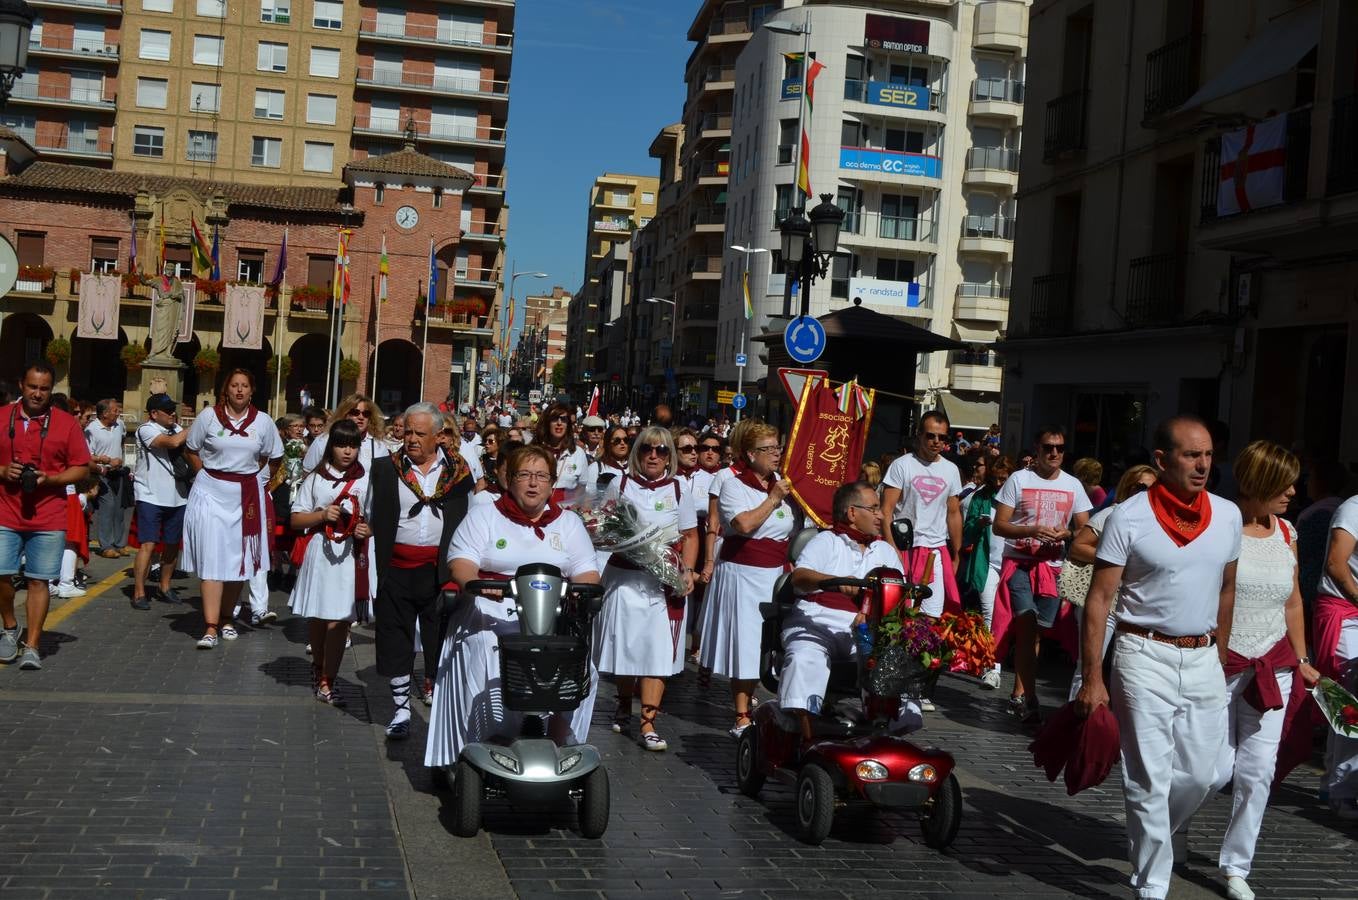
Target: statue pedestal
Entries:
(161, 374)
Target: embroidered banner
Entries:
(825, 447)
(98, 316)
(243, 323)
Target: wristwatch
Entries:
(1303, 660)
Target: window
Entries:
(202, 146)
(205, 98)
(901, 73)
(647, 198)
(250, 266)
(852, 134)
(273, 57)
(379, 192)
(104, 255)
(438, 198)
(905, 140)
(157, 5)
(178, 261)
(154, 44)
(151, 92)
(895, 269)
(621, 198)
(324, 62)
(328, 14)
(841, 270)
(207, 50)
(320, 109)
(31, 247)
(277, 11)
(267, 152)
(213, 9)
(318, 157)
(851, 201)
(782, 204)
(900, 217)
(268, 104)
(148, 141)
(787, 141)
(320, 271)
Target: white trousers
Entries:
(1341, 753)
(933, 606)
(1249, 756)
(255, 595)
(1109, 630)
(1170, 706)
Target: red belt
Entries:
(252, 527)
(409, 556)
(765, 553)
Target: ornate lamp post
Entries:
(808, 246)
(16, 27)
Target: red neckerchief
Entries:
(864, 540)
(687, 471)
(714, 470)
(749, 478)
(649, 485)
(1181, 521)
(511, 510)
(353, 473)
(242, 431)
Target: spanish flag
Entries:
(202, 250)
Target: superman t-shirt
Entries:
(925, 489)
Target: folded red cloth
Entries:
(1085, 748)
(408, 556)
(1263, 693)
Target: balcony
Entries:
(715, 126)
(45, 94)
(699, 312)
(1171, 75)
(445, 316)
(1052, 305)
(80, 146)
(987, 234)
(706, 220)
(712, 172)
(36, 280)
(873, 229)
(982, 303)
(1064, 134)
(487, 184)
(1258, 226)
(1001, 25)
(878, 164)
(703, 268)
(482, 232)
(426, 34)
(992, 167)
(980, 379)
(113, 9)
(997, 98)
(614, 226)
(478, 278)
(73, 48)
(467, 135)
(429, 83)
(1343, 174)
(1155, 289)
(734, 27)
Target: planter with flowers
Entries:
(133, 355)
(36, 279)
(74, 275)
(206, 362)
(310, 298)
(210, 289)
(58, 351)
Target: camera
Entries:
(28, 478)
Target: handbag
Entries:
(1074, 581)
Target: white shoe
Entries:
(70, 592)
(927, 705)
(1238, 889)
(228, 632)
(990, 680)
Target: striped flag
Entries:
(216, 255)
(745, 286)
(160, 261)
(132, 252)
(340, 288)
(383, 271)
(202, 252)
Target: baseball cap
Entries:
(591, 422)
(161, 403)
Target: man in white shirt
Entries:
(112, 511)
(926, 489)
(160, 498)
(1169, 555)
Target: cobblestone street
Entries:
(137, 766)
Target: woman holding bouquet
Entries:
(639, 635)
(756, 523)
(524, 525)
(569, 459)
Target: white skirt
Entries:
(634, 634)
(730, 643)
(325, 583)
(212, 531)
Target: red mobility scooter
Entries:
(852, 758)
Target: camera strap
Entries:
(42, 432)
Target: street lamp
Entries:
(808, 247)
(16, 27)
(740, 370)
(504, 347)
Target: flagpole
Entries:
(428, 305)
(377, 344)
(278, 364)
(801, 115)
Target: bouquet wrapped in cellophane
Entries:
(1339, 706)
(617, 527)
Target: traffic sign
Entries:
(795, 379)
(741, 360)
(726, 398)
(804, 339)
(738, 401)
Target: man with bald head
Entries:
(1169, 555)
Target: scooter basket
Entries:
(543, 673)
(895, 673)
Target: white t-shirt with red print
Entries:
(1046, 502)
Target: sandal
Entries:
(622, 715)
(738, 729)
(209, 639)
(650, 740)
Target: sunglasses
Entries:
(621, 440)
(710, 448)
(357, 412)
(936, 438)
(658, 449)
(559, 419)
(1053, 448)
(688, 448)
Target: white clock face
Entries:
(407, 217)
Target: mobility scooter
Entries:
(543, 669)
(852, 757)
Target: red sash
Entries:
(409, 556)
(765, 553)
(251, 514)
(834, 600)
(1263, 693)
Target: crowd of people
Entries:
(1188, 612)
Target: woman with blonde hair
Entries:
(363, 412)
(1089, 471)
(870, 473)
(711, 538)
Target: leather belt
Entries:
(1183, 642)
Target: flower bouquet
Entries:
(901, 653)
(617, 527)
(1339, 706)
(973, 646)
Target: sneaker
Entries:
(650, 740)
(69, 592)
(207, 641)
(348, 642)
(30, 660)
(1238, 889)
(9, 645)
(927, 705)
(398, 731)
(263, 618)
(308, 649)
(170, 596)
(229, 632)
(990, 680)
(141, 603)
(736, 731)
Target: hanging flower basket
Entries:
(133, 355)
(131, 281)
(206, 361)
(58, 351)
(211, 287)
(348, 369)
(272, 366)
(472, 306)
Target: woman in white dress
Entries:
(639, 634)
(331, 513)
(756, 523)
(523, 526)
(695, 481)
(360, 410)
(726, 467)
(225, 528)
(1267, 641)
(569, 459)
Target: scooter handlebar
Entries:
(481, 585)
(585, 591)
(831, 584)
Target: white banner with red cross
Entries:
(1253, 167)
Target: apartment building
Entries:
(543, 339)
(915, 134)
(1190, 209)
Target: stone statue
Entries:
(167, 307)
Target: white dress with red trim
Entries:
(325, 586)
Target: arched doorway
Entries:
(398, 374)
(309, 357)
(97, 369)
(188, 376)
(23, 338)
(256, 361)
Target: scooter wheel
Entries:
(594, 804)
(749, 778)
(468, 790)
(945, 816)
(815, 804)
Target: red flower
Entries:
(872, 662)
(935, 662)
(1349, 714)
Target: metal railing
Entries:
(85, 4)
(720, 26)
(26, 90)
(92, 46)
(1005, 90)
(454, 84)
(1052, 306)
(983, 291)
(1297, 144)
(704, 264)
(430, 34)
(1343, 174)
(892, 228)
(717, 121)
(699, 312)
(1155, 289)
(1171, 75)
(1065, 125)
(469, 133)
(1002, 158)
(974, 358)
(996, 226)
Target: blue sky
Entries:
(593, 81)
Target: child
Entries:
(335, 582)
(78, 498)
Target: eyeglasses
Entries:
(620, 440)
(1053, 448)
(875, 508)
(559, 419)
(773, 449)
(533, 477)
(710, 448)
(658, 449)
(688, 448)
